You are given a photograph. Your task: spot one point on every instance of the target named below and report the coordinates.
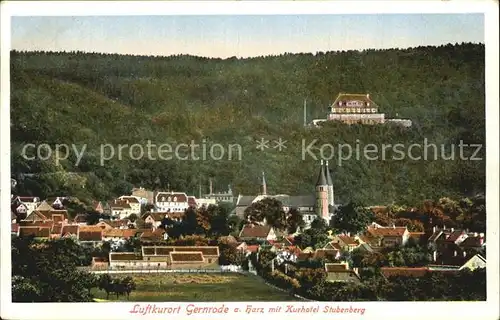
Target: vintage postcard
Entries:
(240, 160)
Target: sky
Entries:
(243, 36)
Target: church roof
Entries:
(322, 178)
(244, 200)
(328, 175)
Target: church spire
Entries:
(329, 181)
(328, 176)
(321, 178)
(264, 185)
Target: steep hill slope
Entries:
(93, 99)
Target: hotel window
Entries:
(175, 199)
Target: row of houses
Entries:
(119, 208)
(451, 249)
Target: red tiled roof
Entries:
(119, 233)
(118, 223)
(46, 223)
(472, 242)
(255, 231)
(186, 257)
(323, 253)
(90, 228)
(157, 216)
(455, 235)
(304, 256)
(90, 235)
(180, 197)
(152, 235)
(37, 232)
(119, 204)
(253, 248)
(435, 235)
(56, 229)
(387, 232)
(70, 229)
(348, 240)
(336, 246)
(417, 234)
(130, 199)
(403, 271)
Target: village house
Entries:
(135, 204)
(70, 231)
(383, 237)
(90, 236)
(120, 223)
(340, 272)
(48, 214)
(56, 202)
(204, 202)
(144, 196)
(343, 242)
(457, 260)
(97, 207)
(257, 233)
(156, 235)
(37, 232)
(118, 235)
(474, 243)
(326, 254)
(18, 211)
(171, 201)
(443, 238)
(153, 219)
(30, 203)
(104, 225)
(120, 209)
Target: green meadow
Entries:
(198, 287)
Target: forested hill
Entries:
(92, 98)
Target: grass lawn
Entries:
(183, 287)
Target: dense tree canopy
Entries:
(46, 272)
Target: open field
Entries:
(181, 287)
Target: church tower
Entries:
(263, 185)
(322, 194)
(329, 181)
